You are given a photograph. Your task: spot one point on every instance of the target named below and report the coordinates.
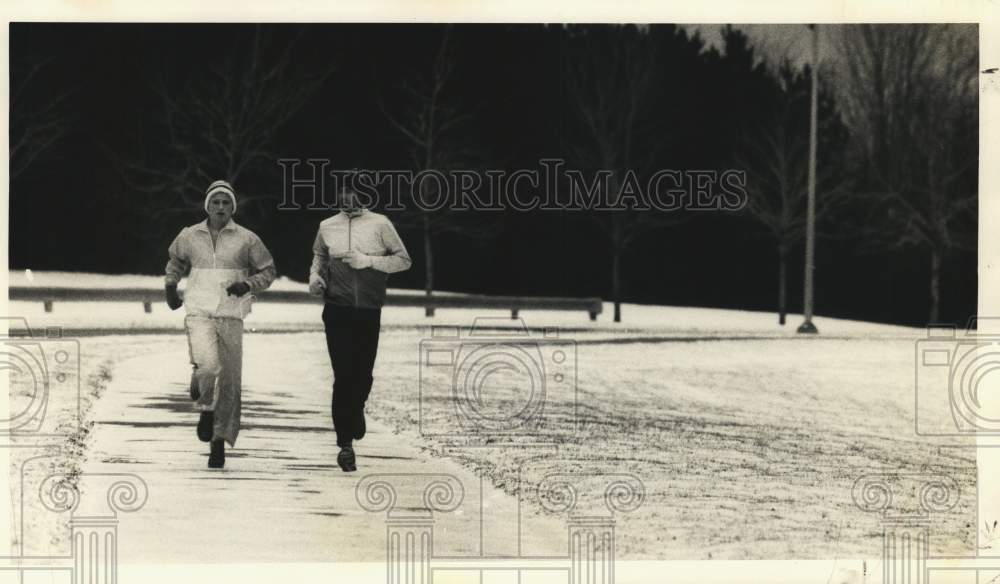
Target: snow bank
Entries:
(637, 319)
(33, 279)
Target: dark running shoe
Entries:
(346, 459)
(217, 458)
(206, 424)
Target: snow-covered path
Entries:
(281, 495)
(748, 438)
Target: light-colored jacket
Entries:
(237, 256)
(368, 233)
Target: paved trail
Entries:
(281, 496)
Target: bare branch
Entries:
(218, 123)
(37, 122)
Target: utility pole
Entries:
(807, 326)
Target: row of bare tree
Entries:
(905, 176)
(898, 137)
(909, 95)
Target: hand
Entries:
(238, 289)
(174, 300)
(316, 286)
(357, 260)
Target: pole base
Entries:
(807, 328)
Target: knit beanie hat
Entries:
(220, 186)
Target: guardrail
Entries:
(147, 296)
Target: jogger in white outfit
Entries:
(224, 263)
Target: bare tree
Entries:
(429, 122)
(37, 119)
(609, 74)
(775, 158)
(218, 123)
(775, 163)
(909, 95)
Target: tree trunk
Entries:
(782, 284)
(616, 283)
(935, 285)
(428, 265)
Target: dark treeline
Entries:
(143, 117)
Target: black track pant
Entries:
(352, 340)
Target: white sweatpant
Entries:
(216, 349)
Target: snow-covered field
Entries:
(747, 438)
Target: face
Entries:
(350, 203)
(220, 207)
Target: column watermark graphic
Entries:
(955, 407)
(65, 522)
(906, 505)
(502, 387)
(589, 502)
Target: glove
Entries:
(357, 260)
(174, 300)
(238, 289)
(316, 285)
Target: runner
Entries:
(224, 263)
(353, 254)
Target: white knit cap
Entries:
(220, 186)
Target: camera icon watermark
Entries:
(958, 380)
(497, 381)
(38, 367)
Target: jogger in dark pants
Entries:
(352, 340)
(353, 254)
